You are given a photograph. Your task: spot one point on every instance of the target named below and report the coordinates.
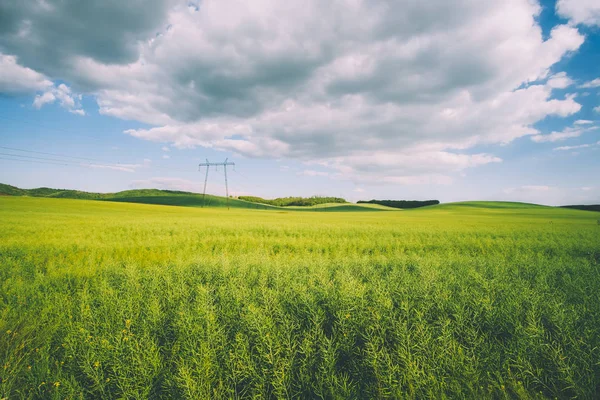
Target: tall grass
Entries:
(107, 300)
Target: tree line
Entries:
(402, 203)
(293, 201)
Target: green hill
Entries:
(189, 199)
(170, 198)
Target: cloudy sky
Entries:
(407, 99)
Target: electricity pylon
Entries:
(208, 164)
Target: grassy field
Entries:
(176, 198)
(467, 300)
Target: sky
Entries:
(373, 99)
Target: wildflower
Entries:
(107, 380)
(8, 332)
(29, 367)
(127, 323)
(347, 316)
(56, 384)
(96, 364)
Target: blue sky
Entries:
(398, 100)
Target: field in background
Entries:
(178, 198)
(465, 300)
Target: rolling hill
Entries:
(177, 198)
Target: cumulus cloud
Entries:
(47, 35)
(61, 93)
(378, 90)
(16, 79)
(560, 81)
(41, 99)
(580, 11)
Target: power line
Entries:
(36, 158)
(31, 161)
(49, 154)
(101, 162)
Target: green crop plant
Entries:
(467, 300)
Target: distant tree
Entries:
(402, 203)
(293, 201)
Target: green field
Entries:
(467, 300)
(177, 198)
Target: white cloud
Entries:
(46, 98)
(566, 148)
(120, 166)
(597, 109)
(560, 81)
(583, 122)
(339, 82)
(567, 133)
(166, 156)
(16, 79)
(580, 11)
(165, 148)
(62, 93)
(116, 167)
(591, 84)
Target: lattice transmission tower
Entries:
(208, 164)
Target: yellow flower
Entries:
(96, 364)
(8, 332)
(57, 384)
(127, 323)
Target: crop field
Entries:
(468, 300)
